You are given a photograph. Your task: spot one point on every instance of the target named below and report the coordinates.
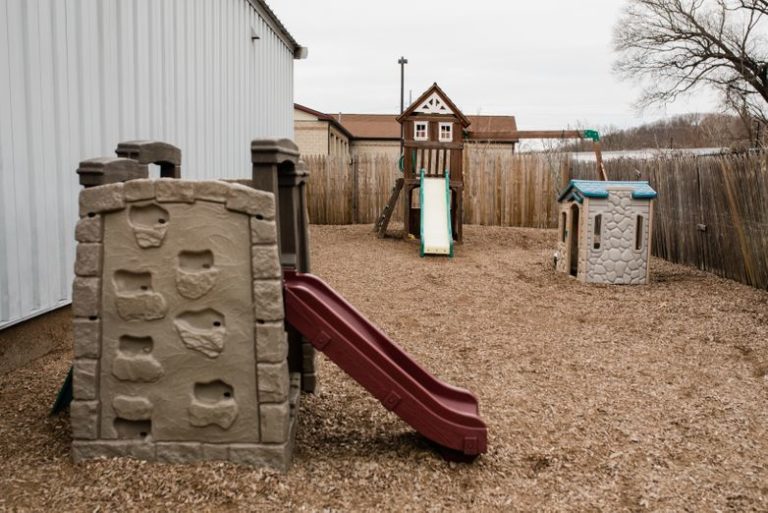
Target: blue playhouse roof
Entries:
(580, 189)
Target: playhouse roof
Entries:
(434, 100)
(579, 189)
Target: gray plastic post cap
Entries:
(285, 146)
(149, 152)
(104, 170)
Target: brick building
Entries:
(317, 133)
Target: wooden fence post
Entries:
(355, 191)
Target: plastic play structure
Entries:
(196, 317)
(434, 131)
(604, 231)
(435, 200)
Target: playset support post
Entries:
(277, 169)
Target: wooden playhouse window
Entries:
(598, 231)
(420, 130)
(639, 233)
(446, 132)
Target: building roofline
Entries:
(261, 6)
(325, 117)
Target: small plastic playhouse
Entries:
(196, 319)
(604, 231)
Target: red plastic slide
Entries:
(442, 413)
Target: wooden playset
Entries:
(434, 132)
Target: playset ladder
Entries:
(383, 222)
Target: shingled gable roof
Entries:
(421, 99)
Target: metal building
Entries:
(78, 76)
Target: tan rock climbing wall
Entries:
(179, 342)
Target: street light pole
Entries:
(402, 61)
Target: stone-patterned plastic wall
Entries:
(180, 351)
(617, 259)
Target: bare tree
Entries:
(676, 46)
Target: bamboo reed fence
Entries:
(500, 190)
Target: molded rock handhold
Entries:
(149, 224)
(150, 236)
(194, 285)
(222, 413)
(210, 342)
(141, 306)
(141, 368)
(132, 407)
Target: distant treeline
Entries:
(683, 131)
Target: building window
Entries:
(597, 235)
(446, 132)
(563, 231)
(639, 233)
(420, 130)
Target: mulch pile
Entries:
(597, 398)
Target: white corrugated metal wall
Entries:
(78, 76)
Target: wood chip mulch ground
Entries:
(597, 398)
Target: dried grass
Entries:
(597, 398)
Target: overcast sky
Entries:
(546, 62)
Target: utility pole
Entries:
(402, 61)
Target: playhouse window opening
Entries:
(639, 233)
(420, 130)
(563, 231)
(446, 132)
(596, 239)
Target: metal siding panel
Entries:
(155, 69)
(140, 72)
(77, 76)
(65, 185)
(109, 111)
(125, 65)
(36, 210)
(8, 278)
(51, 252)
(22, 244)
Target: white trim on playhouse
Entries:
(433, 105)
(421, 130)
(445, 132)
